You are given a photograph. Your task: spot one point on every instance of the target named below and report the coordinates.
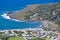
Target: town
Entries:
(43, 33)
(47, 14)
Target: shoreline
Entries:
(5, 16)
(30, 28)
(20, 29)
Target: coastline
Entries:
(31, 24)
(5, 16)
(22, 29)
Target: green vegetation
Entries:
(15, 38)
(40, 38)
(47, 39)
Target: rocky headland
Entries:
(39, 12)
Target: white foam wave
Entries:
(16, 20)
(5, 16)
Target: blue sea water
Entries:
(13, 5)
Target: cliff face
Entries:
(37, 12)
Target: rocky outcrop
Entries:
(43, 11)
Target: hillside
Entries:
(37, 11)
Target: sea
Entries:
(7, 23)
